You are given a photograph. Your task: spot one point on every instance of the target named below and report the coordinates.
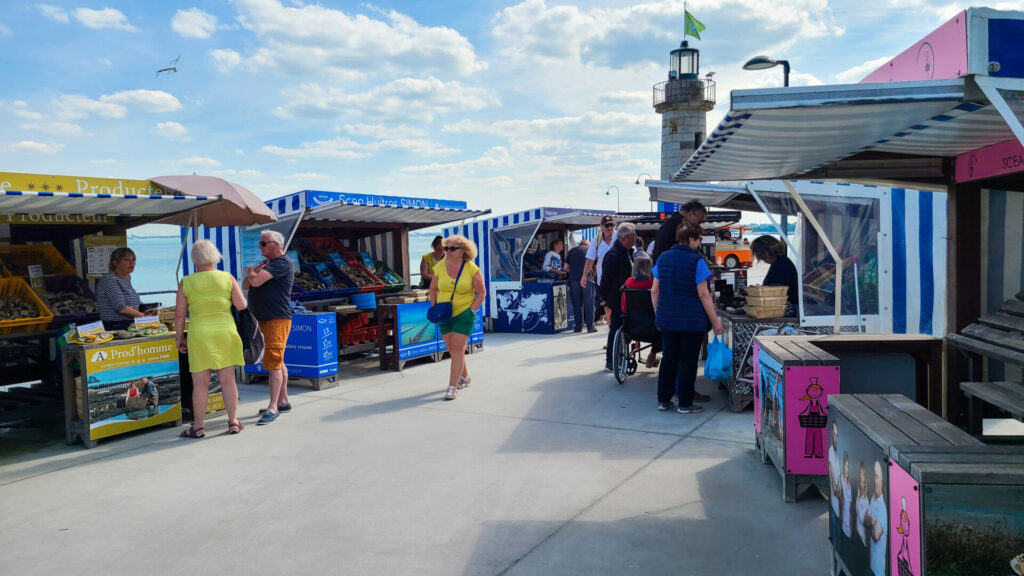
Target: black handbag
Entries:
(442, 311)
(253, 344)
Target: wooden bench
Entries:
(998, 336)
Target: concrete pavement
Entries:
(544, 465)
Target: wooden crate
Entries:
(766, 301)
(765, 311)
(759, 291)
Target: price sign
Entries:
(147, 322)
(90, 328)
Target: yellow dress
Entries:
(213, 341)
(464, 294)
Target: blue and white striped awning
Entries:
(413, 216)
(789, 132)
(111, 205)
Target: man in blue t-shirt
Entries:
(270, 286)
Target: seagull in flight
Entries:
(172, 68)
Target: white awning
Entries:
(579, 218)
(111, 205)
(682, 192)
(415, 217)
(789, 132)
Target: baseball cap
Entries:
(606, 219)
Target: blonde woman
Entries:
(459, 280)
(213, 343)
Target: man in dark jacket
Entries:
(692, 213)
(616, 268)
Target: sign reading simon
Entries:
(315, 198)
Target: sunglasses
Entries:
(263, 243)
(610, 225)
(452, 248)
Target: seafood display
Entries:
(147, 331)
(361, 276)
(14, 308)
(307, 282)
(65, 303)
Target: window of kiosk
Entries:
(508, 246)
(852, 225)
(533, 261)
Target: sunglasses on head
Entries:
(609, 224)
(265, 242)
(452, 248)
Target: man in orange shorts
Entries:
(270, 286)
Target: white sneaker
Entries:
(451, 393)
(463, 382)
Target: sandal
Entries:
(193, 432)
(235, 427)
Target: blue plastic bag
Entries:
(718, 366)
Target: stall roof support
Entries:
(828, 245)
(781, 230)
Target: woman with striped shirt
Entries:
(117, 301)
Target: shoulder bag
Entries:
(442, 311)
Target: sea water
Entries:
(156, 260)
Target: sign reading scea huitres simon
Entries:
(76, 184)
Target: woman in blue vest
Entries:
(683, 312)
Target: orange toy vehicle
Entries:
(733, 253)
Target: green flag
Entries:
(693, 26)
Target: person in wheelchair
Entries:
(642, 279)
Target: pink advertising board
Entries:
(995, 160)
(904, 523)
(941, 55)
(806, 404)
(756, 385)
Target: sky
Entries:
(505, 105)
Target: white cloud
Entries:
(308, 176)
(402, 99)
(381, 131)
(53, 12)
(231, 173)
(338, 148)
(32, 147)
(77, 106)
(171, 131)
(55, 128)
(225, 60)
(4, 30)
(105, 18)
(199, 161)
(417, 146)
(617, 125)
(20, 108)
(311, 37)
(194, 23)
(497, 158)
(626, 97)
(856, 73)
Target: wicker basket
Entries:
(15, 260)
(813, 420)
(760, 291)
(18, 288)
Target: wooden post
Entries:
(963, 285)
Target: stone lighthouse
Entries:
(683, 102)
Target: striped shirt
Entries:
(113, 293)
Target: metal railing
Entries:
(691, 90)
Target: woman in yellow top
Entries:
(213, 343)
(429, 260)
(466, 298)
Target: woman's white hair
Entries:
(275, 236)
(205, 252)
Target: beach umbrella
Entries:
(238, 207)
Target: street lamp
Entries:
(649, 177)
(608, 192)
(766, 62)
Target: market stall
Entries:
(59, 244)
(521, 297)
(348, 249)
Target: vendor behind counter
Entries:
(781, 270)
(116, 299)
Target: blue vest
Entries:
(679, 307)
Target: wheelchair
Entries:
(637, 334)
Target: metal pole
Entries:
(828, 245)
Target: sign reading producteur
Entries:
(55, 219)
(76, 184)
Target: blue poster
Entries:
(312, 348)
(417, 336)
(315, 198)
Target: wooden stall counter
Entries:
(122, 386)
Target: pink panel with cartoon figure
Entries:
(904, 523)
(806, 406)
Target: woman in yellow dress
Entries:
(467, 297)
(429, 260)
(213, 343)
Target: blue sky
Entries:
(506, 105)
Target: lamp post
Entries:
(766, 62)
(608, 192)
(649, 177)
